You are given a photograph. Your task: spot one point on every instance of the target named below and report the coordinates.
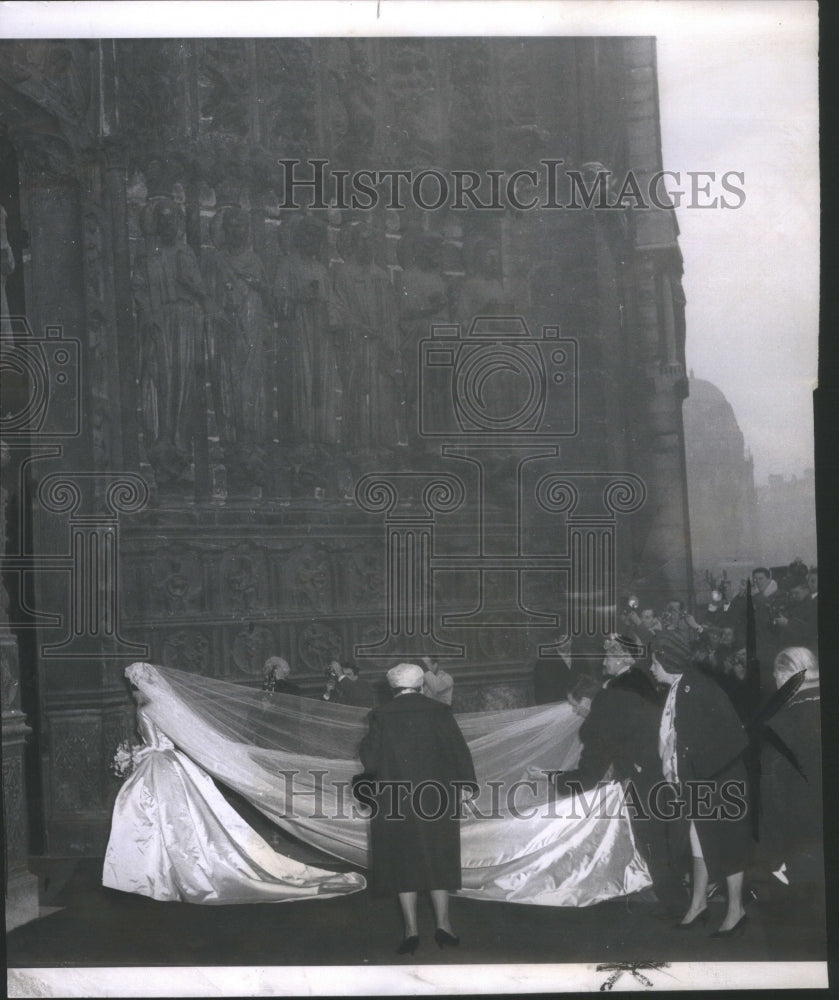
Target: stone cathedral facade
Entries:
(241, 420)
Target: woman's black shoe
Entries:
(409, 945)
(738, 928)
(443, 938)
(700, 918)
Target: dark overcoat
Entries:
(621, 731)
(415, 831)
(357, 693)
(553, 678)
(710, 741)
(791, 822)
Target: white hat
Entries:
(276, 664)
(405, 675)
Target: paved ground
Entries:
(86, 925)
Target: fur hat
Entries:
(405, 675)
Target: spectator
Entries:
(797, 624)
(436, 683)
(725, 647)
(795, 573)
(719, 605)
(732, 679)
(275, 675)
(702, 739)
(620, 741)
(644, 625)
(813, 583)
(675, 619)
(765, 600)
(650, 621)
(793, 798)
(346, 688)
(763, 586)
(791, 825)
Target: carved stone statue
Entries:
(356, 90)
(239, 332)
(7, 266)
(482, 293)
(5, 455)
(170, 300)
(302, 294)
(422, 302)
(365, 314)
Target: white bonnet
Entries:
(405, 675)
(276, 663)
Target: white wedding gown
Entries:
(175, 837)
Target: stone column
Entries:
(20, 885)
(410, 502)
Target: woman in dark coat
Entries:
(702, 740)
(422, 767)
(792, 796)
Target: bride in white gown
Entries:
(175, 837)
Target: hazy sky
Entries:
(738, 90)
(746, 99)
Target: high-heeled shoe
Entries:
(409, 945)
(444, 938)
(738, 928)
(700, 918)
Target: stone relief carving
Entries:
(224, 86)
(251, 648)
(411, 129)
(367, 579)
(302, 290)
(310, 574)
(75, 768)
(177, 581)
(242, 578)
(317, 645)
(365, 315)
(286, 86)
(9, 684)
(240, 344)
(170, 301)
(355, 87)
(187, 650)
(14, 809)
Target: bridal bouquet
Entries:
(125, 759)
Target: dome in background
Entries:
(720, 475)
(711, 428)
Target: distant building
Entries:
(787, 518)
(721, 491)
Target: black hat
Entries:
(671, 651)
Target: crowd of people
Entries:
(345, 685)
(694, 697)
